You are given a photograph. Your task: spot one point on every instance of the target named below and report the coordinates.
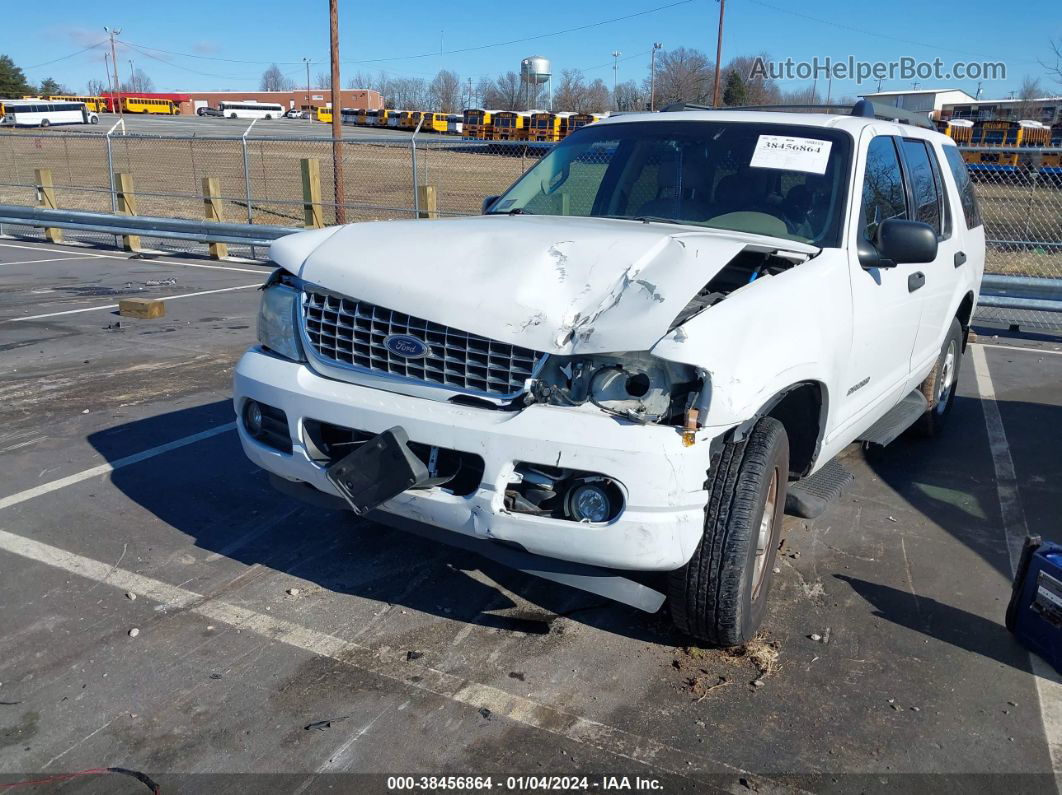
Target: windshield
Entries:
(773, 179)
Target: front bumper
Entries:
(663, 480)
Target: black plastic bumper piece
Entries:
(609, 583)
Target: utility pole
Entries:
(107, 70)
(879, 85)
(337, 114)
(132, 77)
(615, 75)
(718, 55)
(469, 105)
(652, 76)
(117, 95)
(309, 116)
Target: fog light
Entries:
(252, 417)
(589, 503)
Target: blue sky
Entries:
(251, 33)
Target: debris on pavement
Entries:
(321, 725)
(130, 596)
(414, 655)
(486, 713)
(134, 632)
(293, 592)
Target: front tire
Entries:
(720, 595)
(939, 386)
(45, 122)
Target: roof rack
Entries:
(863, 108)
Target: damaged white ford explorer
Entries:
(621, 374)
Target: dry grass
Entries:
(706, 670)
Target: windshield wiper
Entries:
(646, 219)
(514, 211)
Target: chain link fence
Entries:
(260, 180)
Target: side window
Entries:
(883, 193)
(924, 194)
(963, 182)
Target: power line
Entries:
(63, 58)
(185, 68)
(529, 38)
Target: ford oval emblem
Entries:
(406, 346)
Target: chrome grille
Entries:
(351, 333)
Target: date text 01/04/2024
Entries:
(521, 783)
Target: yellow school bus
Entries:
(511, 125)
(478, 124)
(164, 107)
(577, 120)
(97, 104)
(959, 130)
(546, 126)
(1051, 163)
(433, 122)
(323, 114)
(407, 119)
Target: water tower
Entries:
(535, 71)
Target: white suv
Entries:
(614, 377)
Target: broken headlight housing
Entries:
(277, 324)
(634, 386)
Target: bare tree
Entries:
(570, 90)
(95, 87)
(1054, 64)
(274, 80)
(801, 96)
(483, 91)
(407, 93)
(322, 80)
(1028, 107)
(759, 90)
(446, 91)
(683, 75)
(138, 83)
(630, 96)
(505, 93)
(597, 98)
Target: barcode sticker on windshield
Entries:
(791, 154)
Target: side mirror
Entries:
(899, 241)
(488, 203)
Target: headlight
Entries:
(635, 386)
(276, 321)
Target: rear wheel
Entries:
(45, 122)
(720, 595)
(939, 386)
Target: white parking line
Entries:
(1017, 348)
(389, 664)
(111, 466)
(1015, 529)
(115, 306)
(130, 259)
(33, 261)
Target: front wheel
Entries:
(45, 122)
(720, 595)
(939, 386)
(268, 117)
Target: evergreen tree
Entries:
(49, 88)
(735, 92)
(13, 83)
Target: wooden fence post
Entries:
(123, 185)
(46, 198)
(311, 193)
(212, 206)
(426, 198)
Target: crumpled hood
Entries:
(560, 285)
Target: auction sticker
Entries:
(791, 153)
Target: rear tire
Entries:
(939, 386)
(45, 122)
(720, 595)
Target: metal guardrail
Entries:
(1021, 292)
(146, 225)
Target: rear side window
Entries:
(924, 192)
(963, 182)
(883, 192)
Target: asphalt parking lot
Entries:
(294, 643)
(152, 124)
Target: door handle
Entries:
(960, 258)
(915, 281)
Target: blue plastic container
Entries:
(1034, 614)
